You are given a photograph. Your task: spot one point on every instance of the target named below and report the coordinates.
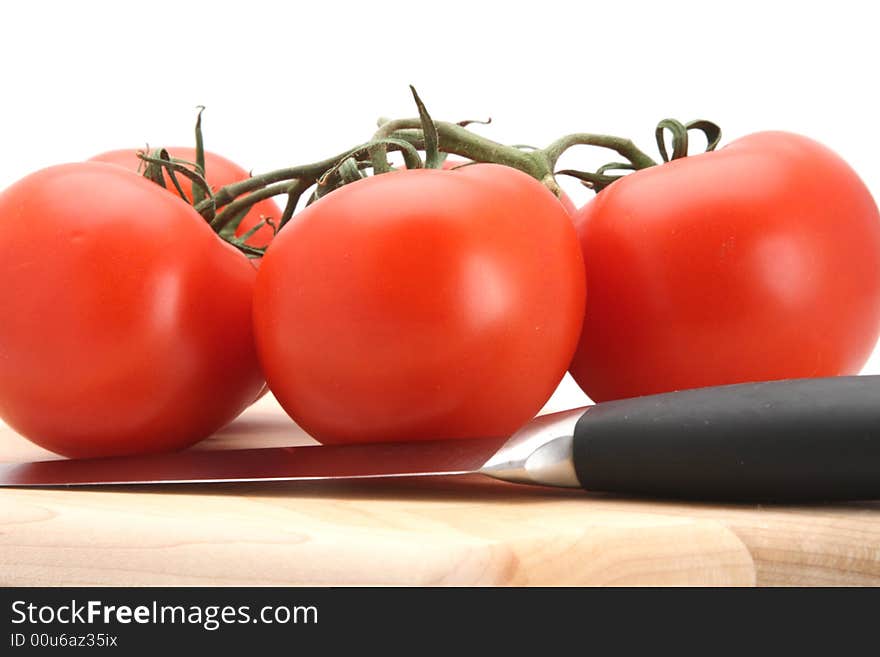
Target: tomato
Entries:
(759, 261)
(421, 304)
(125, 321)
(219, 172)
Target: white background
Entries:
(292, 82)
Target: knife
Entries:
(794, 441)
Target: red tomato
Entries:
(759, 261)
(220, 172)
(421, 304)
(125, 321)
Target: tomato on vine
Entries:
(125, 322)
(421, 304)
(757, 261)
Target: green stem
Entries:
(624, 147)
(198, 193)
(307, 174)
(294, 192)
(538, 163)
(229, 193)
(409, 136)
(455, 139)
(239, 206)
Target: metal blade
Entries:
(435, 457)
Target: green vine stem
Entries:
(226, 207)
(241, 205)
(624, 147)
(306, 175)
(455, 139)
(541, 162)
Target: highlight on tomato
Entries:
(125, 321)
(421, 304)
(219, 172)
(754, 262)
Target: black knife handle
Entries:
(794, 440)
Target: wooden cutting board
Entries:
(433, 531)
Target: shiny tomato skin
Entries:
(220, 172)
(125, 321)
(421, 304)
(759, 261)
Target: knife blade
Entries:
(794, 440)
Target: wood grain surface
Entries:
(433, 531)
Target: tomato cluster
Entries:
(421, 303)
